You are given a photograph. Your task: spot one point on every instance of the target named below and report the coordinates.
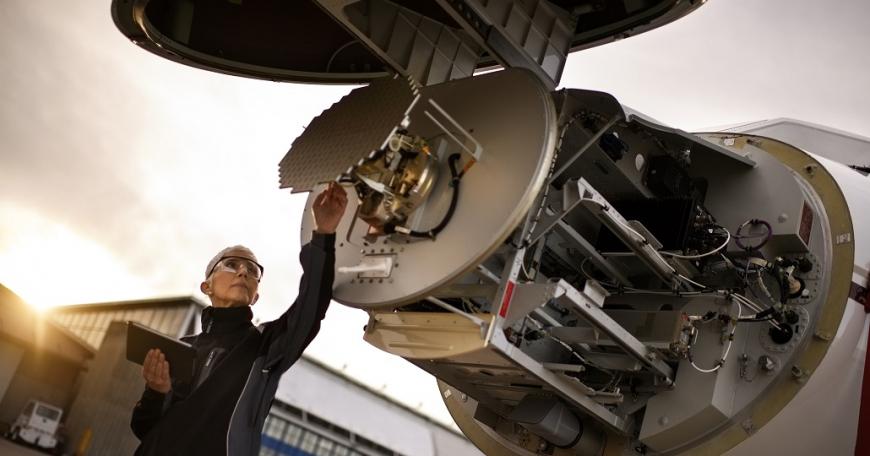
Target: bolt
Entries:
(797, 372)
(748, 426)
(766, 362)
(825, 336)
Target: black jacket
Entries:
(237, 371)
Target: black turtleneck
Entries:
(223, 328)
(222, 320)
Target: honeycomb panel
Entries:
(346, 132)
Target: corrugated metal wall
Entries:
(105, 401)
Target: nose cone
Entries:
(270, 39)
(299, 41)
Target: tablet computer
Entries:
(181, 355)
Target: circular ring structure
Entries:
(513, 118)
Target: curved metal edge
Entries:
(839, 220)
(676, 10)
(130, 19)
(482, 440)
(842, 258)
(491, 446)
(515, 218)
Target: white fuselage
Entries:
(823, 418)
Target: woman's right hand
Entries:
(155, 370)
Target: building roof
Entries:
(136, 303)
(20, 321)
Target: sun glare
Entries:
(47, 264)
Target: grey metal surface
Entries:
(777, 198)
(643, 247)
(548, 418)
(701, 402)
(531, 34)
(526, 298)
(578, 302)
(588, 250)
(346, 132)
(495, 193)
(574, 392)
(657, 329)
(417, 46)
(589, 143)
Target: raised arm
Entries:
(287, 337)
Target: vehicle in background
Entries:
(37, 425)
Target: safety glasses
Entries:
(234, 265)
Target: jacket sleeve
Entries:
(287, 337)
(148, 411)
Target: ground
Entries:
(8, 448)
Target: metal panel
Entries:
(412, 44)
(530, 34)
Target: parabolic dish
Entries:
(513, 118)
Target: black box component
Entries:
(669, 220)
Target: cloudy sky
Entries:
(121, 173)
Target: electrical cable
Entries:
(454, 182)
(692, 282)
(702, 255)
(759, 310)
(720, 362)
(753, 222)
(589, 276)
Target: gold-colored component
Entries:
(393, 182)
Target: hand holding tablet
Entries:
(162, 357)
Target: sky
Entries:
(122, 173)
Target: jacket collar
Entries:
(217, 320)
